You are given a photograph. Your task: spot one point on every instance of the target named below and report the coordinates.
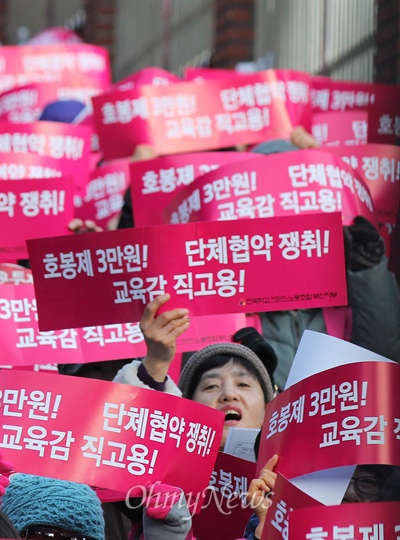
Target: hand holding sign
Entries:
(79, 226)
(259, 489)
(160, 333)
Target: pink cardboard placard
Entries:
(379, 166)
(188, 117)
(24, 104)
(349, 128)
(24, 345)
(34, 209)
(103, 197)
(67, 144)
(371, 520)
(209, 267)
(225, 510)
(384, 122)
(294, 183)
(64, 64)
(105, 434)
(338, 416)
(284, 499)
(332, 95)
(156, 182)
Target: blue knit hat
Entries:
(274, 146)
(63, 110)
(35, 500)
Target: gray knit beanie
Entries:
(36, 500)
(193, 366)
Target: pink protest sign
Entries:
(65, 64)
(31, 166)
(105, 434)
(209, 267)
(284, 499)
(150, 75)
(33, 209)
(24, 345)
(68, 144)
(334, 128)
(14, 274)
(104, 193)
(330, 95)
(24, 104)
(225, 510)
(157, 181)
(379, 166)
(188, 117)
(384, 122)
(300, 183)
(338, 416)
(371, 520)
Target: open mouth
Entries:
(232, 416)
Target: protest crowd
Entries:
(200, 315)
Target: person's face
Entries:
(364, 486)
(233, 390)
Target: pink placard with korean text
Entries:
(209, 267)
(370, 520)
(300, 183)
(379, 166)
(105, 434)
(67, 144)
(33, 209)
(24, 345)
(157, 181)
(330, 95)
(104, 193)
(338, 416)
(384, 122)
(284, 499)
(189, 117)
(348, 128)
(225, 510)
(64, 64)
(24, 104)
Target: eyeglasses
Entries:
(40, 532)
(368, 485)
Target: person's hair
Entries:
(391, 487)
(7, 529)
(217, 361)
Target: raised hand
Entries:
(160, 333)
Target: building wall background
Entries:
(344, 39)
(326, 37)
(36, 15)
(163, 33)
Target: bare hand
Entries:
(160, 334)
(143, 152)
(79, 226)
(302, 138)
(257, 496)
